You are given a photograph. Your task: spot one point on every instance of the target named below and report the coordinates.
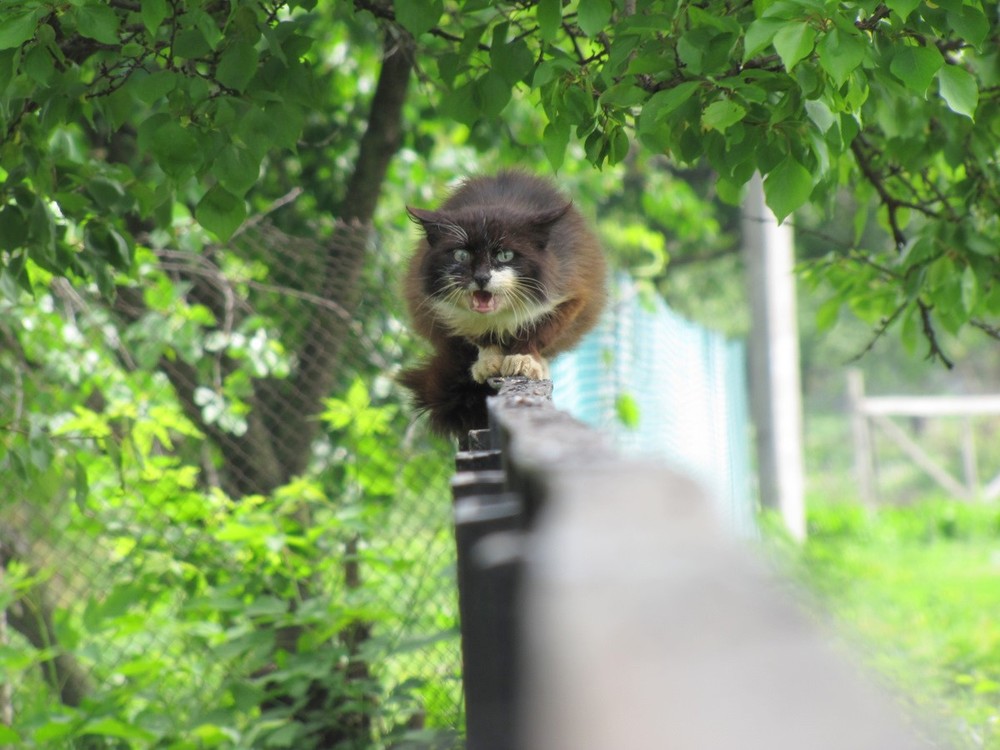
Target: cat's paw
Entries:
(488, 365)
(524, 365)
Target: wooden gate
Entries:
(878, 411)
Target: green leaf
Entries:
(722, 114)
(287, 120)
(13, 228)
(548, 14)
(593, 16)
(554, 142)
(459, 104)
(759, 35)
(729, 191)
(98, 22)
(628, 410)
(8, 59)
(107, 244)
(155, 86)
(794, 42)
(512, 60)
(16, 31)
(492, 93)
(153, 13)
(959, 90)
(108, 727)
(618, 145)
(692, 48)
(666, 101)
(915, 66)
(820, 114)
(108, 194)
(39, 65)
(236, 168)
(238, 65)
(191, 44)
(255, 131)
(418, 16)
(596, 148)
(579, 104)
(8, 736)
(840, 54)
(903, 8)
(970, 24)
(176, 149)
(81, 487)
(827, 314)
(624, 94)
(41, 237)
(787, 187)
(970, 289)
(221, 212)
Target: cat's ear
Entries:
(541, 223)
(545, 219)
(432, 222)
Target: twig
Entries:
(930, 334)
(290, 197)
(879, 332)
(990, 330)
(870, 23)
(891, 203)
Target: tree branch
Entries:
(927, 323)
(872, 22)
(990, 330)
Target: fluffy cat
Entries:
(506, 275)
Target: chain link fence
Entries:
(219, 526)
(670, 389)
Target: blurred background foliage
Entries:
(222, 526)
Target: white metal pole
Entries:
(775, 383)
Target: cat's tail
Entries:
(443, 388)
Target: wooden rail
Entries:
(868, 411)
(603, 607)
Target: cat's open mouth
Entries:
(483, 302)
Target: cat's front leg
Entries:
(488, 365)
(531, 366)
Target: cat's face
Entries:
(485, 272)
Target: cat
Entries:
(507, 274)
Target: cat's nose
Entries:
(481, 279)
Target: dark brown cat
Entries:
(507, 275)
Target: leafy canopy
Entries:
(896, 102)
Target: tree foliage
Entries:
(894, 101)
(897, 102)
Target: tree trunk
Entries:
(328, 329)
(32, 616)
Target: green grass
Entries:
(917, 590)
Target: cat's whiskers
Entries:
(519, 301)
(448, 294)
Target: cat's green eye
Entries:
(462, 255)
(505, 256)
